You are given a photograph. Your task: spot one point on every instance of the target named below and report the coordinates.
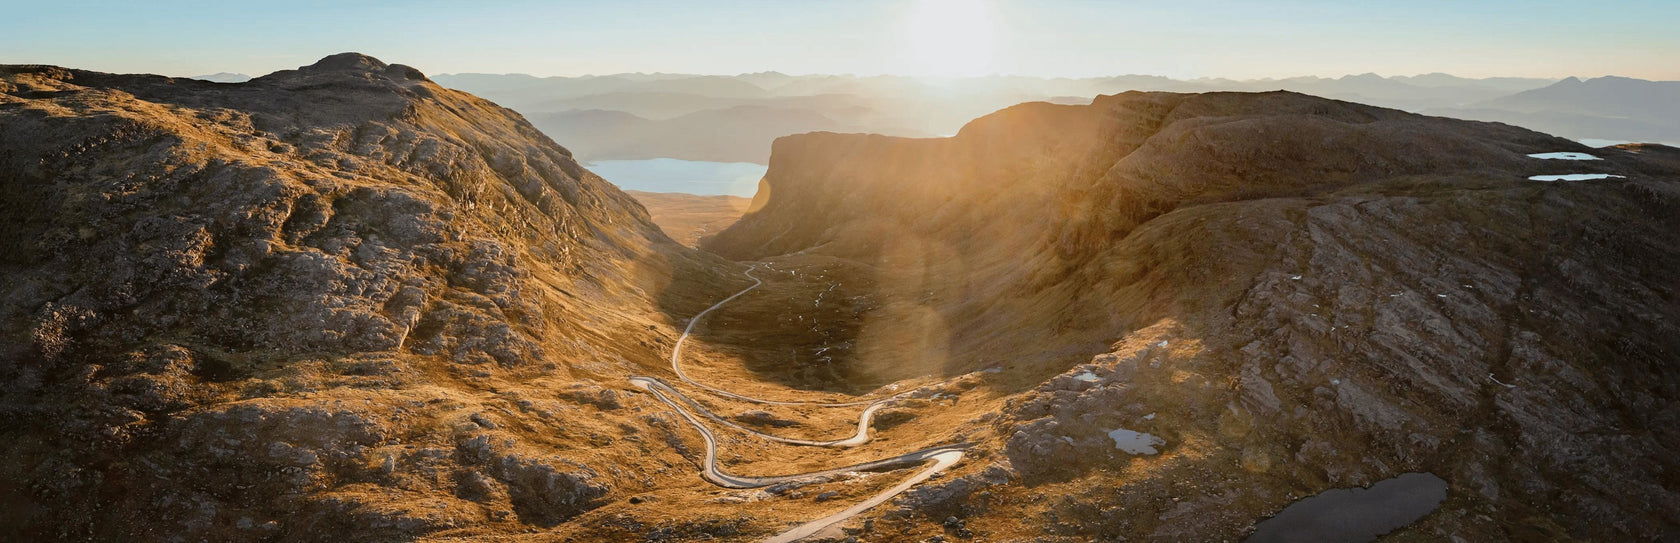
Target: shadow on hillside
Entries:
(840, 325)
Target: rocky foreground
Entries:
(333, 300)
(342, 302)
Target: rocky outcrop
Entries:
(1066, 173)
(1297, 294)
(256, 290)
(342, 302)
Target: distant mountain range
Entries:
(734, 134)
(223, 77)
(1612, 108)
(342, 301)
(734, 118)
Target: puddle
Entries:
(1573, 177)
(1135, 442)
(1355, 515)
(1087, 377)
(1564, 156)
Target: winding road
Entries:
(861, 437)
(676, 354)
(941, 460)
(942, 456)
(711, 473)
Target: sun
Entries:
(950, 38)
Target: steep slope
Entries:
(1290, 294)
(343, 302)
(333, 300)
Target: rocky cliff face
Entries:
(342, 302)
(291, 306)
(1296, 293)
(1072, 172)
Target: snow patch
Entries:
(1087, 377)
(1564, 156)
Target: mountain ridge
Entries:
(345, 302)
(276, 308)
(1288, 294)
(907, 106)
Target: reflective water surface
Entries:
(1355, 515)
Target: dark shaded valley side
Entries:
(343, 302)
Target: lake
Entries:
(674, 175)
(1355, 515)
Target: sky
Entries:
(1054, 38)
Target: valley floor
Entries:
(688, 217)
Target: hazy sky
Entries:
(1177, 38)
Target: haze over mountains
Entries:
(223, 77)
(1611, 108)
(344, 302)
(734, 118)
(728, 290)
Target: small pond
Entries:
(1572, 177)
(1355, 515)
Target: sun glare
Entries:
(950, 38)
